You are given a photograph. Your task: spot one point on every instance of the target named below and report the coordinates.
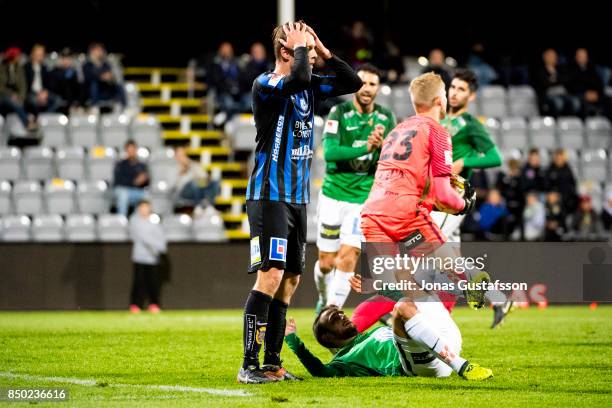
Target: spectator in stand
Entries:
(39, 98)
(149, 243)
(534, 218)
(555, 217)
(437, 66)
(477, 62)
(606, 213)
(392, 64)
(101, 86)
(586, 86)
(360, 43)
(256, 64)
(131, 176)
(224, 79)
(64, 82)
(533, 174)
(13, 88)
(550, 82)
(511, 188)
(191, 183)
(494, 216)
(586, 224)
(560, 176)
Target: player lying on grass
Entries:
(383, 351)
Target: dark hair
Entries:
(279, 34)
(321, 332)
(369, 68)
(129, 142)
(534, 150)
(468, 76)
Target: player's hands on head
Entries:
(290, 327)
(321, 50)
(297, 36)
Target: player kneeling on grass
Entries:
(383, 351)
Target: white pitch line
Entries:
(93, 383)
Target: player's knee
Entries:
(347, 257)
(326, 261)
(291, 282)
(269, 281)
(405, 310)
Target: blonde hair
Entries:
(425, 88)
(279, 34)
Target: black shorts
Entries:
(278, 235)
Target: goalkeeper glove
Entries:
(469, 198)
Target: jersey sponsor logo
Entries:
(382, 116)
(330, 231)
(362, 164)
(255, 251)
(278, 249)
(302, 129)
(448, 157)
(277, 137)
(351, 128)
(331, 126)
(250, 332)
(301, 153)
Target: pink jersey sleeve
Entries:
(441, 151)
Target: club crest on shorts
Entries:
(278, 249)
(255, 251)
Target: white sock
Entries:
(495, 297)
(322, 281)
(339, 289)
(419, 330)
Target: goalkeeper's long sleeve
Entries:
(314, 366)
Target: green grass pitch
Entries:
(559, 356)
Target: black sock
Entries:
(255, 322)
(275, 332)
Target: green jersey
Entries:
(471, 142)
(350, 168)
(372, 353)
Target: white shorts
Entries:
(449, 224)
(338, 222)
(417, 360)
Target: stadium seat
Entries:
(594, 165)
(112, 228)
(571, 132)
(16, 228)
(402, 104)
(59, 196)
(54, 129)
(2, 138)
(146, 131)
(6, 205)
(241, 132)
(522, 101)
(209, 228)
(598, 132)
(161, 164)
(384, 97)
(132, 95)
(543, 132)
(474, 108)
(10, 163)
(84, 130)
(80, 228)
(573, 160)
(93, 197)
(27, 197)
(38, 163)
(514, 133)
(161, 198)
(101, 163)
(114, 130)
(493, 101)
(177, 227)
(70, 163)
(493, 126)
(48, 228)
